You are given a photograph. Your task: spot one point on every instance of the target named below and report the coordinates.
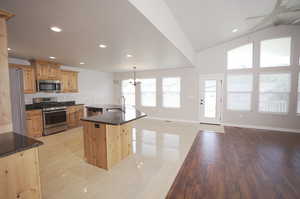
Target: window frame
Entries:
(179, 93)
(141, 92)
(252, 57)
(122, 93)
(240, 92)
(275, 67)
(289, 93)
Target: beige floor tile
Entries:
(159, 150)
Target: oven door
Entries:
(55, 118)
(49, 86)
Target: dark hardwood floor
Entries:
(240, 164)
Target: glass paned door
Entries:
(210, 99)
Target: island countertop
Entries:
(116, 117)
(11, 143)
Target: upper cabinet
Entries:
(29, 82)
(46, 70)
(69, 80)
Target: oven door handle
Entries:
(45, 112)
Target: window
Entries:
(128, 91)
(148, 92)
(171, 92)
(241, 57)
(239, 90)
(275, 52)
(274, 92)
(298, 110)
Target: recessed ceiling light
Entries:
(55, 29)
(81, 63)
(102, 46)
(129, 56)
(235, 30)
(52, 57)
(8, 48)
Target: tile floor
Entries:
(159, 149)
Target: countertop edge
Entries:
(109, 123)
(39, 143)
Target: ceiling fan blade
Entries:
(255, 17)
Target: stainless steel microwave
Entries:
(49, 86)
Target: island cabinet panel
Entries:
(19, 176)
(106, 145)
(95, 144)
(126, 140)
(114, 145)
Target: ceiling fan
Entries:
(134, 82)
(286, 12)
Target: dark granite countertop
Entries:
(103, 106)
(37, 106)
(11, 143)
(116, 117)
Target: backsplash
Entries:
(79, 98)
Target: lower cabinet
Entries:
(106, 145)
(19, 175)
(34, 123)
(74, 114)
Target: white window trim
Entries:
(141, 93)
(241, 69)
(288, 66)
(162, 90)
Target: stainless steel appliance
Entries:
(54, 114)
(55, 119)
(49, 86)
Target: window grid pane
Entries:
(148, 92)
(171, 92)
(128, 91)
(239, 92)
(275, 52)
(274, 92)
(241, 57)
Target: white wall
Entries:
(213, 61)
(189, 93)
(94, 87)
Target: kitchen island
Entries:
(108, 137)
(19, 167)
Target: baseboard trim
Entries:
(262, 127)
(173, 120)
(230, 124)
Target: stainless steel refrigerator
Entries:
(17, 101)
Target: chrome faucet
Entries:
(123, 102)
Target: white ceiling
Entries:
(208, 23)
(85, 25)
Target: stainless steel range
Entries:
(54, 114)
(55, 119)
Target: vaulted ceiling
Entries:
(208, 23)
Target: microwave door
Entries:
(46, 87)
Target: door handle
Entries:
(201, 101)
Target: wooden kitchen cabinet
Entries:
(74, 114)
(69, 81)
(20, 175)
(29, 81)
(46, 70)
(34, 122)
